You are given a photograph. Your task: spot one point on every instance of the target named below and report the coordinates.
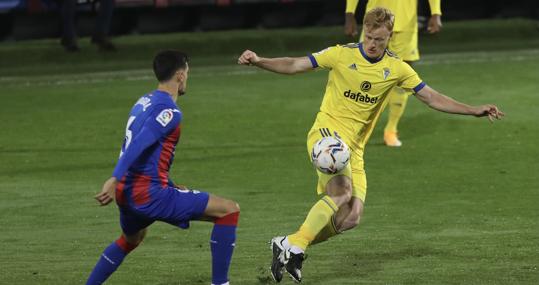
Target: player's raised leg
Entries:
(349, 213)
(346, 218)
(113, 255)
(339, 192)
(225, 214)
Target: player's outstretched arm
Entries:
(440, 102)
(283, 65)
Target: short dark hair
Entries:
(167, 62)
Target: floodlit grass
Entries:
(457, 204)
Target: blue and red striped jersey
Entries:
(151, 134)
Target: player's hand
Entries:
(490, 111)
(107, 193)
(435, 24)
(350, 25)
(248, 57)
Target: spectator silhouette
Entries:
(102, 26)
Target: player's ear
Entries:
(180, 75)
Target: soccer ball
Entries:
(330, 155)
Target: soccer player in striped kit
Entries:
(141, 185)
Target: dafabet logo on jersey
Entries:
(358, 97)
(165, 117)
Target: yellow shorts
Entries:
(354, 170)
(404, 44)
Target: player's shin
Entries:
(110, 260)
(223, 238)
(318, 217)
(327, 232)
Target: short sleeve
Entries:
(408, 78)
(163, 120)
(326, 58)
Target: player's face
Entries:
(183, 81)
(375, 41)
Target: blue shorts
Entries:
(170, 205)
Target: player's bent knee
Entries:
(341, 181)
(341, 198)
(353, 221)
(229, 207)
(229, 219)
(354, 217)
(349, 223)
(340, 186)
(339, 189)
(137, 238)
(234, 207)
(219, 207)
(129, 243)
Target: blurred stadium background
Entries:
(24, 19)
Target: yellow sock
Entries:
(318, 217)
(397, 103)
(351, 6)
(328, 231)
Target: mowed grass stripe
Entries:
(234, 70)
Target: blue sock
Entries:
(222, 244)
(109, 261)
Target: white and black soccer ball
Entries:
(330, 155)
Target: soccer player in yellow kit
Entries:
(361, 76)
(403, 43)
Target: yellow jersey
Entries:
(405, 11)
(357, 89)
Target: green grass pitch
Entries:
(457, 204)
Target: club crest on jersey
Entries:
(165, 117)
(353, 66)
(386, 73)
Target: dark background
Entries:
(28, 19)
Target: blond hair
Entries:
(378, 17)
